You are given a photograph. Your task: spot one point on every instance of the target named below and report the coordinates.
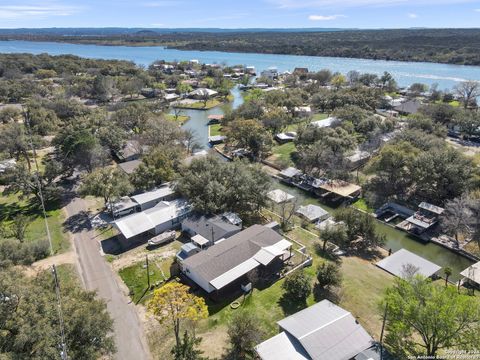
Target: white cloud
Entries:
(289, 4)
(477, 10)
(324, 17)
(412, 16)
(10, 12)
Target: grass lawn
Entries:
(200, 105)
(362, 288)
(454, 103)
(11, 205)
(362, 205)
(320, 116)
(181, 118)
(282, 154)
(215, 129)
(135, 277)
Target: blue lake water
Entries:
(405, 73)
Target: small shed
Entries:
(404, 263)
(312, 213)
(129, 167)
(279, 196)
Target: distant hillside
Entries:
(452, 46)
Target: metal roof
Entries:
(432, 208)
(290, 172)
(153, 195)
(401, 262)
(312, 212)
(322, 331)
(234, 273)
(141, 222)
(199, 240)
(279, 196)
(472, 273)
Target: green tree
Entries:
(335, 234)
(250, 135)
(244, 332)
(29, 319)
(328, 275)
(448, 272)
(424, 318)
(361, 229)
(108, 183)
(214, 186)
(297, 287)
(188, 348)
(157, 167)
(19, 226)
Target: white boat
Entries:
(162, 238)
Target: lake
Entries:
(405, 73)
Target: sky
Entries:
(366, 14)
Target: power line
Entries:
(63, 353)
(37, 179)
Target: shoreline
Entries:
(152, 44)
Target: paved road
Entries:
(97, 275)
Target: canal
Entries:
(396, 239)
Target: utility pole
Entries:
(383, 329)
(148, 272)
(63, 345)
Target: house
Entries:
(303, 111)
(325, 122)
(423, 219)
(357, 159)
(471, 275)
(250, 70)
(283, 138)
(323, 331)
(171, 97)
(201, 93)
(216, 139)
(166, 215)
(130, 151)
(408, 107)
(312, 213)
(151, 198)
(129, 167)
(404, 263)
(225, 265)
(279, 196)
(123, 206)
(214, 119)
(209, 229)
(271, 73)
(287, 175)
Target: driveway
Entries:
(97, 275)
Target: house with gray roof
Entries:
(404, 263)
(209, 229)
(312, 213)
(226, 264)
(323, 331)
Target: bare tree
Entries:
(287, 208)
(457, 217)
(468, 91)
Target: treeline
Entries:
(453, 46)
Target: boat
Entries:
(162, 238)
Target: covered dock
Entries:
(404, 263)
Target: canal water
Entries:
(406, 73)
(397, 239)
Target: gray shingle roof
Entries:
(218, 259)
(212, 228)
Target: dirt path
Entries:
(44, 264)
